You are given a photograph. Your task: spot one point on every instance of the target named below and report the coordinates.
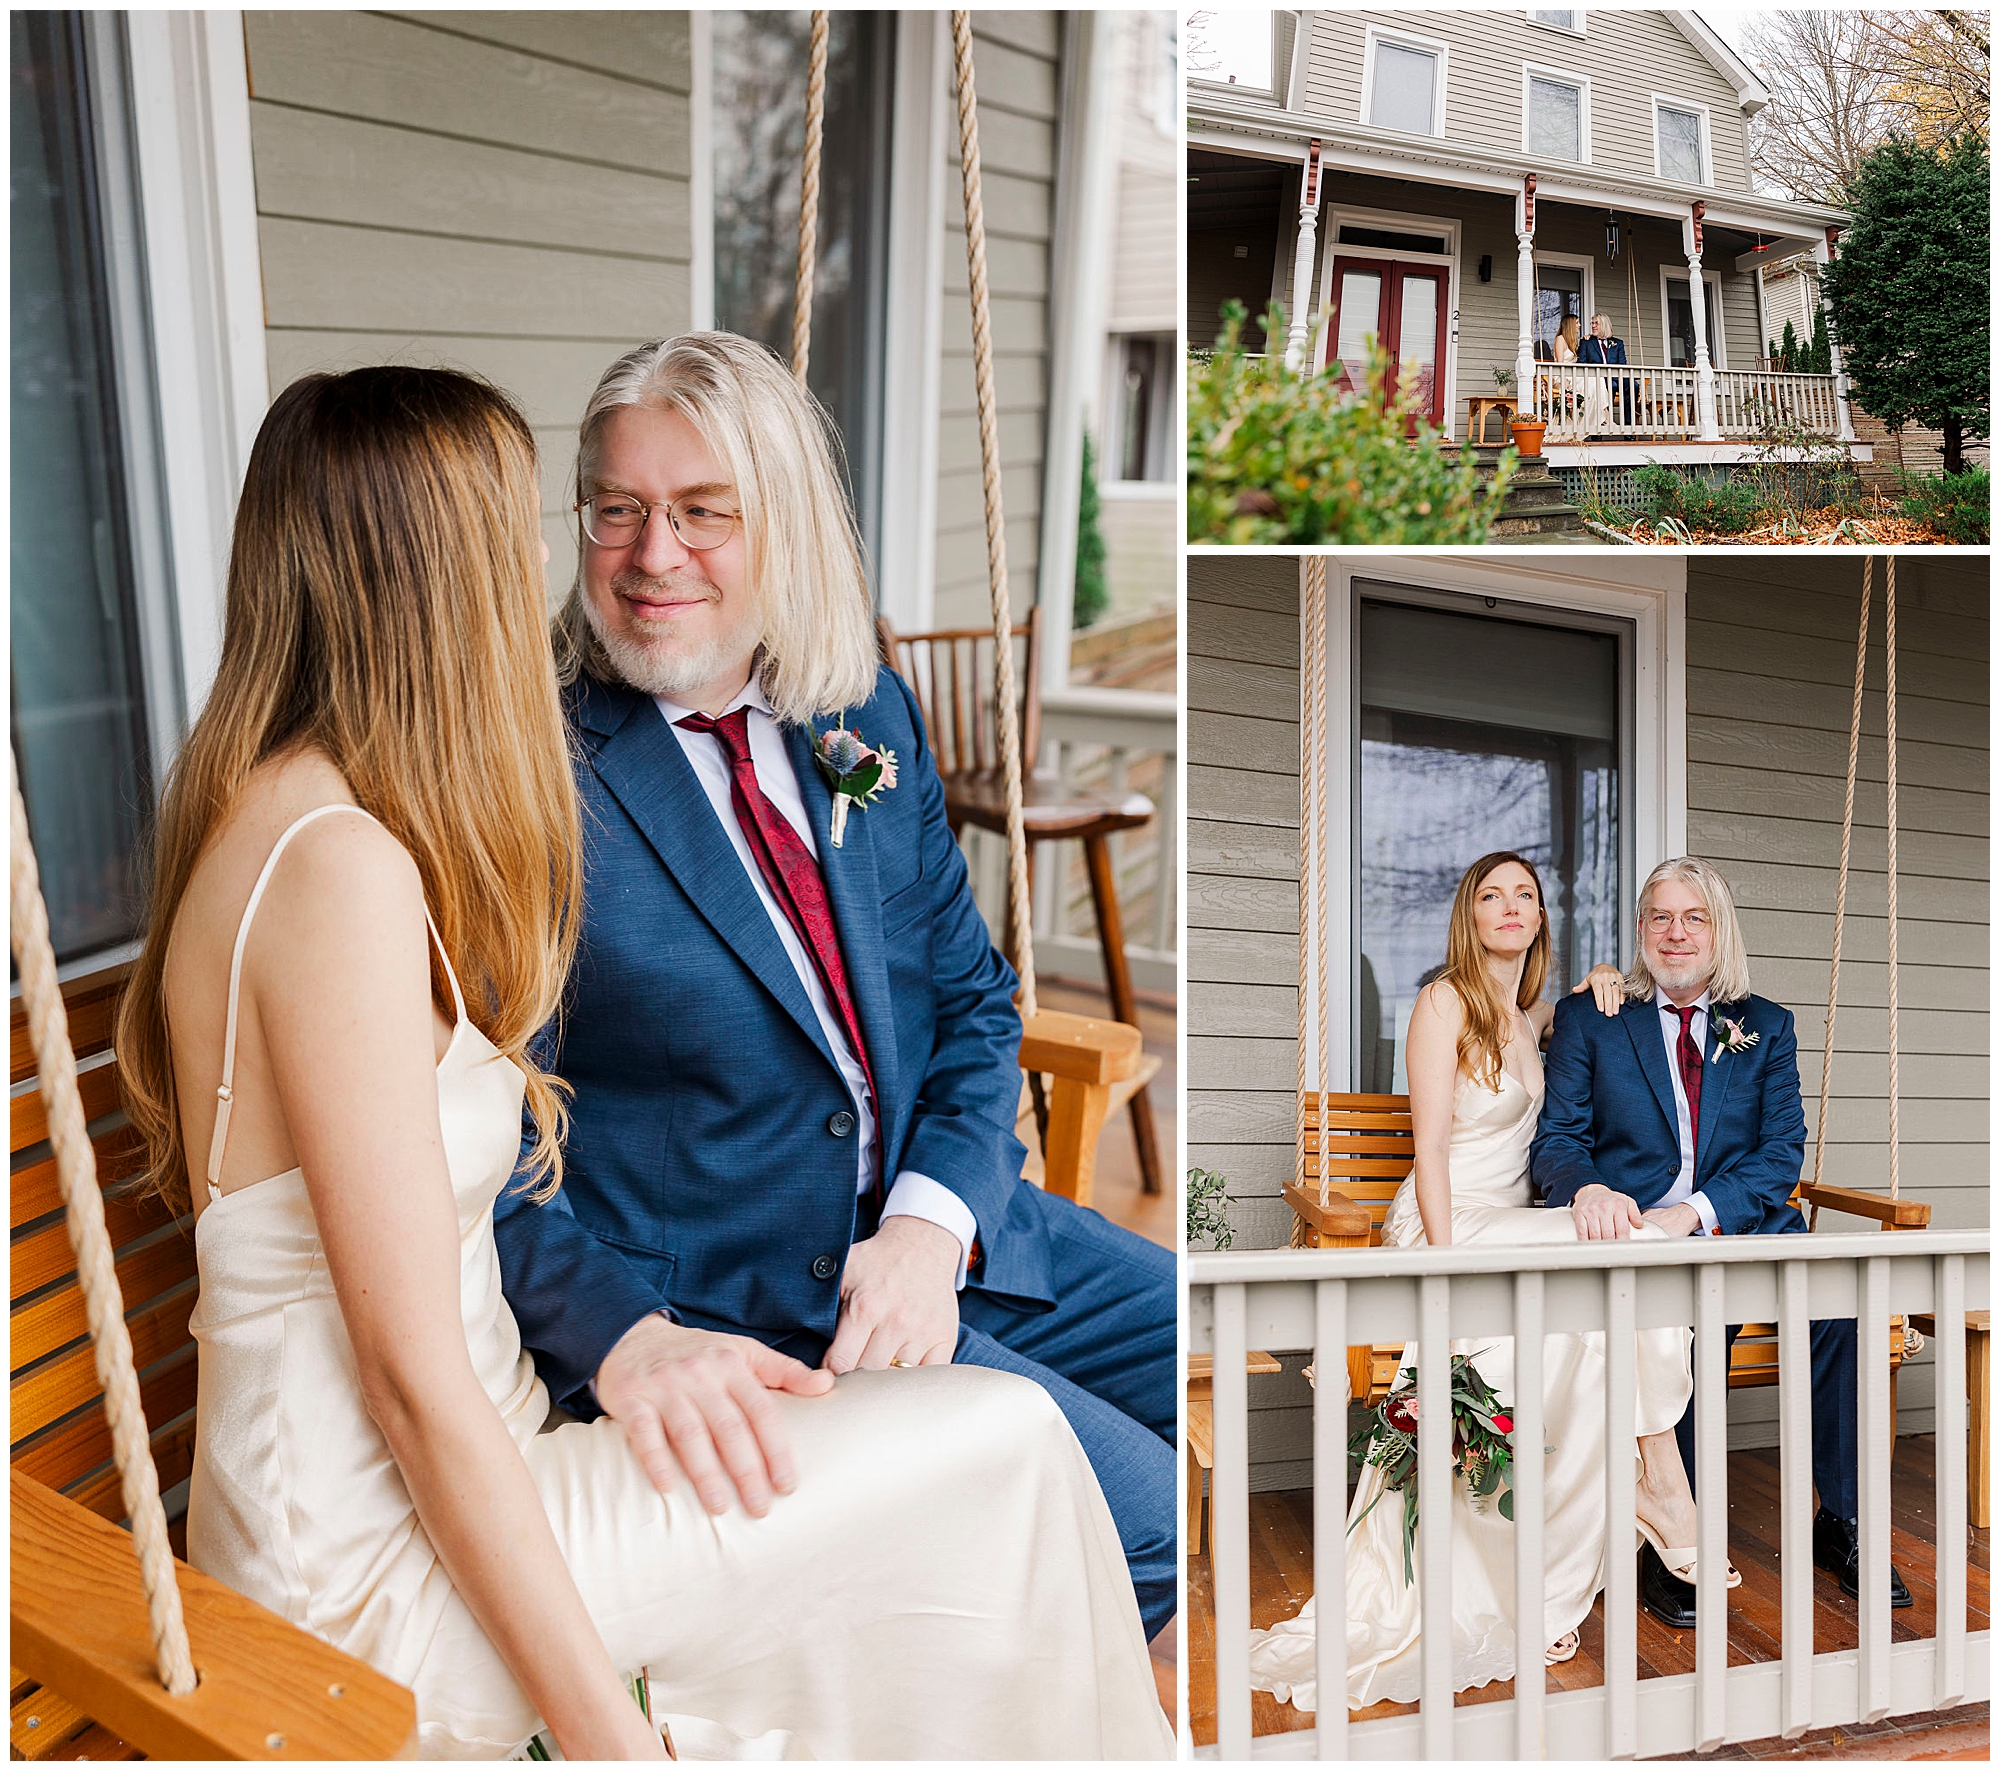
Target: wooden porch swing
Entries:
(1354, 1150)
(113, 1660)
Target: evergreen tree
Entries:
(1908, 289)
(1092, 596)
(1822, 345)
(1788, 350)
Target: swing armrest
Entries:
(1079, 1049)
(1893, 1214)
(78, 1609)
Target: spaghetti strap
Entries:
(219, 1138)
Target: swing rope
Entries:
(802, 293)
(83, 1206)
(1840, 890)
(1312, 860)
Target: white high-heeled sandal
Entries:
(1561, 1649)
(1680, 1563)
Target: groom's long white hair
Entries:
(819, 652)
(1730, 980)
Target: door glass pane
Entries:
(1403, 89)
(759, 86)
(1680, 145)
(79, 715)
(1558, 297)
(1555, 119)
(1480, 733)
(1360, 320)
(1416, 350)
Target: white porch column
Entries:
(1704, 371)
(1524, 352)
(1302, 261)
(1842, 394)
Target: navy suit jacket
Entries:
(1609, 1114)
(710, 1163)
(1601, 350)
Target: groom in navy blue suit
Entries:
(1683, 1111)
(793, 1048)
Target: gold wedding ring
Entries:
(902, 1365)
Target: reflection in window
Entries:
(1680, 145)
(1558, 297)
(79, 715)
(1680, 323)
(1563, 21)
(1405, 89)
(1479, 733)
(759, 104)
(1555, 118)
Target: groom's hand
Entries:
(1604, 1216)
(1676, 1220)
(898, 1300)
(699, 1403)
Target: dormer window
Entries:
(1555, 115)
(1570, 20)
(1680, 135)
(1403, 83)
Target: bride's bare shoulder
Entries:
(1440, 1001)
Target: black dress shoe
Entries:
(1665, 1595)
(1837, 1549)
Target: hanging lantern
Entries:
(1611, 235)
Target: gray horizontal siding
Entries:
(500, 192)
(1627, 57)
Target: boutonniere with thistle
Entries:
(858, 775)
(1730, 1037)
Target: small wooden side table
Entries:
(1201, 1435)
(1978, 1340)
(1478, 406)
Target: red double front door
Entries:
(1404, 307)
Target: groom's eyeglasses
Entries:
(1694, 921)
(617, 519)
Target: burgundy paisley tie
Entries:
(789, 870)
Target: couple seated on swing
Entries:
(1667, 1105)
(613, 1248)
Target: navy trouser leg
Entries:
(1834, 1407)
(1106, 1353)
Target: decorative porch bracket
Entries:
(1842, 395)
(1524, 238)
(1302, 259)
(1704, 370)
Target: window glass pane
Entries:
(1360, 320)
(1385, 241)
(1479, 733)
(1404, 80)
(1137, 396)
(79, 716)
(1555, 119)
(1680, 321)
(1680, 145)
(1416, 349)
(1558, 296)
(1563, 20)
(759, 132)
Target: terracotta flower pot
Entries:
(1528, 434)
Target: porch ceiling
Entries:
(1230, 189)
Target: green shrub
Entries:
(1279, 456)
(1717, 507)
(1092, 595)
(1958, 506)
(1208, 1199)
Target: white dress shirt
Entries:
(913, 1195)
(1682, 1191)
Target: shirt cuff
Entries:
(918, 1196)
(1704, 1211)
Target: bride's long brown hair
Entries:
(386, 605)
(1483, 1038)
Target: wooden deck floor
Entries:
(1281, 1582)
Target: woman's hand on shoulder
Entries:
(1606, 983)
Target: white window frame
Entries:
(1542, 24)
(1452, 259)
(1532, 71)
(1718, 344)
(1440, 81)
(1651, 593)
(1573, 261)
(1707, 179)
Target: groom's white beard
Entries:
(1684, 976)
(665, 664)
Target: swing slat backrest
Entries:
(77, 1606)
(950, 671)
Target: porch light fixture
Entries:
(1611, 235)
(1486, 267)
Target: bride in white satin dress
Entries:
(1475, 1095)
(931, 1571)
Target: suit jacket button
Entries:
(824, 1266)
(840, 1125)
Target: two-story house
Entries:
(1470, 188)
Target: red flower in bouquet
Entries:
(1503, 1423)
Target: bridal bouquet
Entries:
(1480, 1450)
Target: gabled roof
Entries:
(1751, 93)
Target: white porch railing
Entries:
(1327, 1299)
(1122, 739)
(1579, 400)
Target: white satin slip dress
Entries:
(946, 1582)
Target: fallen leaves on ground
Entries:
(1881, 528)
